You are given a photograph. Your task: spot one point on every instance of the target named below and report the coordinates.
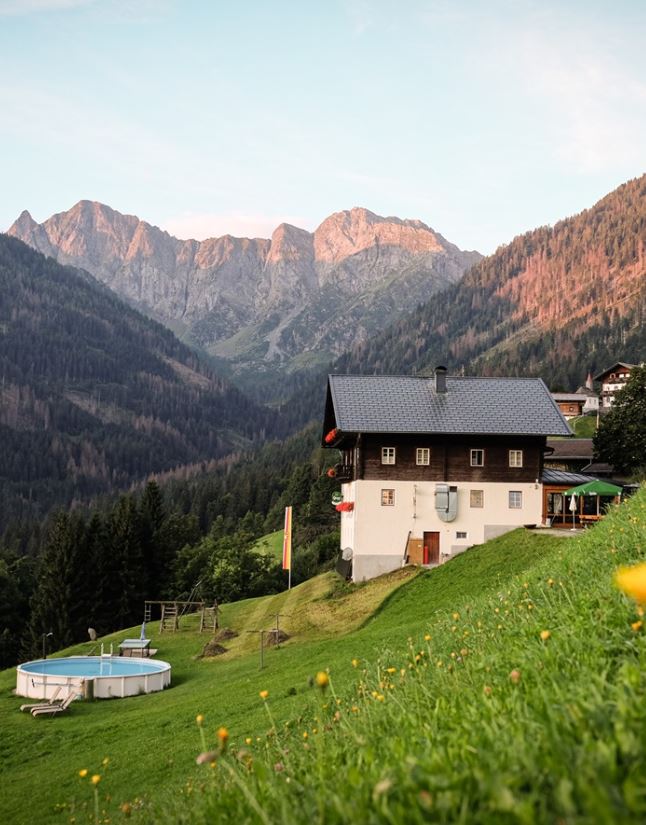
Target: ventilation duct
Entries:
(446, 502)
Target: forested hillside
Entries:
(94, 395)
(555, 302)
(94, 567)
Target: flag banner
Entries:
(287, 540)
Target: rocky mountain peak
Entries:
(346, 233)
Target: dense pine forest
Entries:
(94, 396)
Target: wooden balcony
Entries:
(344, 472)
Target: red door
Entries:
(431, 552)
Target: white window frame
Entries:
(514, 460)
(423, 456)
(471, 497)
(515, 500)
(461, 534)
(388, 455)
(473, 462)
(388, 497)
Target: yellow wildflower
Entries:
(223, 735)
(391, 670)
(264, 694)
(199, 719)
(322, 679)
(545, 634)
(632, 580)
(355, 663)
(305, 734)
(83, 773)
(427, 637)
(456, 616)
(637, 625)
(248, 740)
(105, 761)
(96, 779)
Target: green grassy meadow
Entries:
(444, 703)
(271, 545)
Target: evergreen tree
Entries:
(621, 437)
(56, 603)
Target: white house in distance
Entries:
(612, 380)
(432, 466)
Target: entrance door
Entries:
(431, 548)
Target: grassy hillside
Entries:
(271, 545)
(456, 709)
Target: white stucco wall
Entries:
(378, 534)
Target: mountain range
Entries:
(289, 301)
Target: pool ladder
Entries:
(106, 655)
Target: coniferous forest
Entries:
(94, 396)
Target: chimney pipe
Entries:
(440, 379)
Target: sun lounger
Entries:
(53, 700)
(52, 710)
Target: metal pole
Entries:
(262, 645)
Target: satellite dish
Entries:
(346, 554)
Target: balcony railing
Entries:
(344, 472)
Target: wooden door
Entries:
(431, 548)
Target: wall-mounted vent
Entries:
(446, 502)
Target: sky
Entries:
(482, 118)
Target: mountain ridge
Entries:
(258, 303)
(556, 301)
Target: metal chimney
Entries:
(440, 379)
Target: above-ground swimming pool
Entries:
(112, 677)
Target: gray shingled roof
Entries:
(407, 404)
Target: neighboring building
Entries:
(568, 454)
(581, 402)
(591, 404)
(570, 403)
(612, 380)
(431, 467)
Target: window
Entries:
(460, 534)
(387, 455)
(477, 458)
(515, 458)
(515, 500)
(476, 498)
(423, 456)
(387, 498)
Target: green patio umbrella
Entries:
(594, 488)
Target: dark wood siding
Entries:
(451, 458)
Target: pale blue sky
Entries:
(483, 119)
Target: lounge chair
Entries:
(52, 710)
(53, 700)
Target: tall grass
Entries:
(520, 704)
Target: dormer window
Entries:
(387, 455)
